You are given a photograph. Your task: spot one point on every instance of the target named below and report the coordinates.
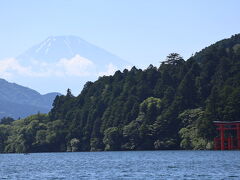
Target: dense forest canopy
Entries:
(167, 107)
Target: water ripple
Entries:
(139, 165)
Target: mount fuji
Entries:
(55, 48)
(62, 62)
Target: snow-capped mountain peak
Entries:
(59, 58)
(57, 47)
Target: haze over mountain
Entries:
(55, 48)
(19, 101)
(62, 62)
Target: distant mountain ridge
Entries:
(19, 101)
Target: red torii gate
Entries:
(229, 135)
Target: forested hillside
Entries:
(167, 107)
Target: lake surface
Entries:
(122, 165)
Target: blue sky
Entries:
(139, 31)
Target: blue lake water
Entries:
(122, 165)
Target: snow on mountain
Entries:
(62, 62)
(55, 48)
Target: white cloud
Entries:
(111, 69)
(9, 67)
(76, 66)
